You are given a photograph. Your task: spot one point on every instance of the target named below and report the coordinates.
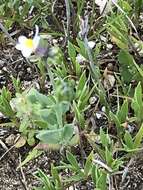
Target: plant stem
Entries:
(6, 33)
(67, 3)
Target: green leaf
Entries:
(128, 140)
(67, 132)
(82, 49)
(138, 94)
(47, 115)
(76, 178)
(58, 136)
(25, 123)
(79, 116)
(72, 52)
(102, 181)
(93, 174)
(81, 84)
(31, 155)
(50, 136)
(72, 160)
(88, 165)
(123, 112)
(99, 178)
(138, 138)
(105, 139)
(45, 181)
(6, 107)
(109, 158)
(35, 97)
(120, 129)
(127, 67)
(72, 55)
(56, 178)
(137, 103)
(31, 139)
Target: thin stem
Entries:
(103, 165)
(67, 3)
(6, 33)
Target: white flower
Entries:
(27, 46)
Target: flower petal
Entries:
(36, 30)
(26, 52)
(22, 39)
(18, 46)
(36, 41)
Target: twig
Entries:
(126, 170)
(110, 182)
(68, 18)
(103, 165)
(124, 97)
(7, 150)
(22, 174)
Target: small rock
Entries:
(103, 109)
(109, 46)
(93, 100)
(104, 39)
(110, 67)
(98, 115)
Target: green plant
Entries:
(37, 111)
(137, 104)
(128, 67)
(133, 144)
(58, 181)
(120, 117)
(5, 106)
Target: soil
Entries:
(134, 174)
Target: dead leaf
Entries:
(109, 81)
(10, 139)
(20, 142)
(46, 147)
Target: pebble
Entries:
(98, 115)
(103, 109)
(29, 70)
(109, 46)
(110, 66)
(4, 69)
(93, 100)
(103, 38)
